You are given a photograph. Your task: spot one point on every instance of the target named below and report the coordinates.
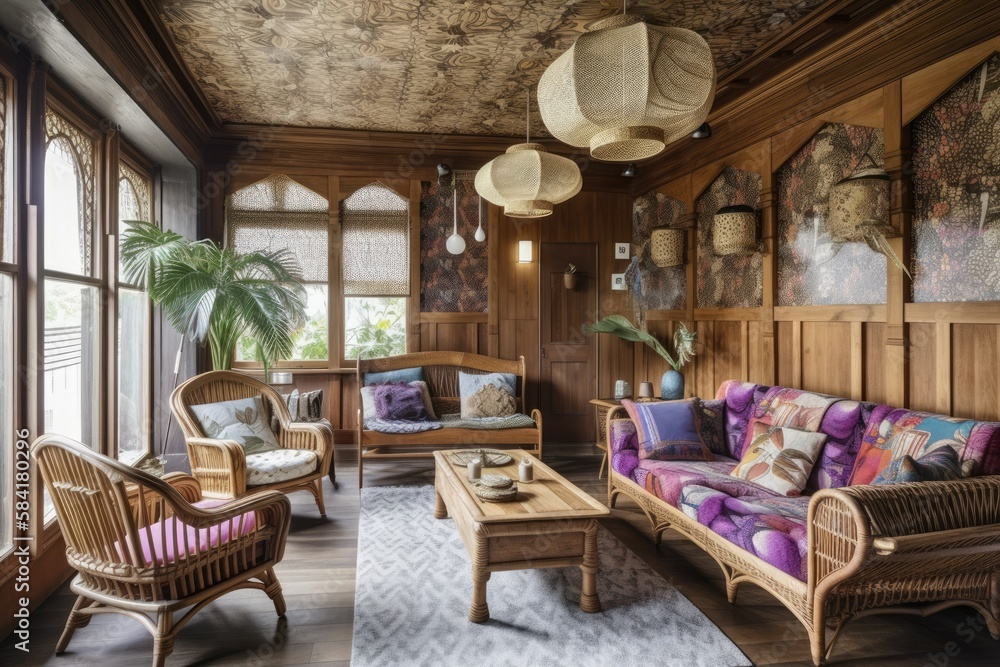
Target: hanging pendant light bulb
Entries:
(455, 243)
(626, 89)
(526, 180)
(480, 234)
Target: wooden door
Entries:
(569, 357)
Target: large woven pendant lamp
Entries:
(627, 89)
(527, 181)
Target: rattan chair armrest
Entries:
(536, 414)
(274, 505)
(220, 466)
(309, 435)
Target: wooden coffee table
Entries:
(551, 524)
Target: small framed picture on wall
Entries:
(618, 281)
(621, 250)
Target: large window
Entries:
(375, 272)
(8, 273)
(278, 213)
(71, 285)
(134, 203)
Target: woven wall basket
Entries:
(734, 231)
(666, 246)
(859, 203)
(626, 89)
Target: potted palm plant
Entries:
(672, 382)
(217, 295)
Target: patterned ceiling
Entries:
(418, 65)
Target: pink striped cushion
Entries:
(154, 551)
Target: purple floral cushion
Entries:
(399, 401)
(744, 401)
(668, 431)
(772, 528)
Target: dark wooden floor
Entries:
(318, 579)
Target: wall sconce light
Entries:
(524, 252)
(666, 246)
(734, 230)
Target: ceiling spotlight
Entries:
(444, 171)
(704, 131)
(630, 170)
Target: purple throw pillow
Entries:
(668, 431)
(399, 401)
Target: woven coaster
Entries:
(489, 458)
(494, 495)
(499, 482)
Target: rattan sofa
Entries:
(440, 371)
(914, 548)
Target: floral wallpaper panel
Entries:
(956, 192)
(654, 288)
(731, 281)
(452, 283)
(813, 270)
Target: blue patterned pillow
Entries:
(668, 431)
(400, 375)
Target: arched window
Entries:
(375, 271)
(71, 285)
(278, 213)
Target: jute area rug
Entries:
(414, 590)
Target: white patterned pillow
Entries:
(487, 395)
(279, 465)
(241, 420)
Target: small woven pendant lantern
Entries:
(526, 180)
(627, 89)
(734, 231)
(666, 246)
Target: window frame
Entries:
(131, 159)
(8, 206)
(57, 101)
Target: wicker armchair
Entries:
(144, 549)
(220, 465)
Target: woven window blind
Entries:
(278, 213)
(375, 224)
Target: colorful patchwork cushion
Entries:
(938, 465)
(279, 465)
(779, 458)
(771, 528)
(164, 539)
(240, 420)
(668, 430)
(487, 395)
(894, 434)
(623, 446)
(399, 375)
(399, 401)
(666, 479)
(844, 425)
(796, 408)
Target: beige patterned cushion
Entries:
(279, 465)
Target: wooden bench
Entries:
(441, 371)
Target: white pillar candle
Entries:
(475, 468)
(526, 471)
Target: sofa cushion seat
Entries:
(773, 528)
(666, 479)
